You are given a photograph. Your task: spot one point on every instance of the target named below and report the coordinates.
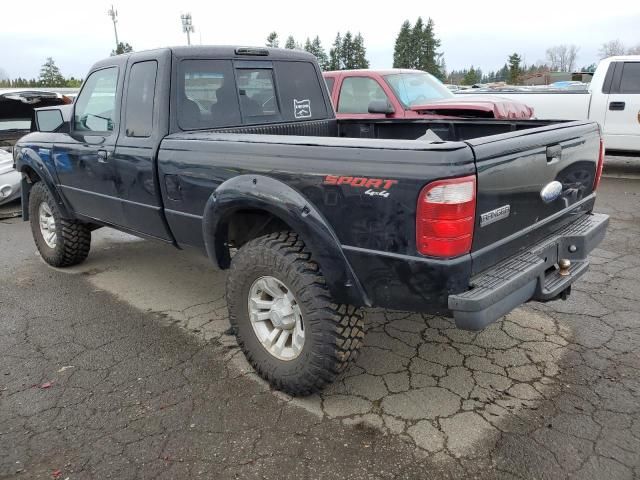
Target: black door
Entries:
(84, 157)
(144, 121)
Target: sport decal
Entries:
(376, 187)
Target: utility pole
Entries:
(114, 17)
(187, 26)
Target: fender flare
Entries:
(29, 158)
(259, 192)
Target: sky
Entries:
(480, 33)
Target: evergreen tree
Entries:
(335, 54)
(347, 52)
(416, 47)
(402, 49)
(315, 47)
(359, 52)
(291, 43)
(429, 55)
(123, 47)
(272, 40)
(50, 75)
(514, 68)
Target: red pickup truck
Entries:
(400, 93)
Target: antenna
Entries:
(114, 18)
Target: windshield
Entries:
(417, 88)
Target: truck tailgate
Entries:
(530, 184)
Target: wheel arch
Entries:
(33, 170)
(269, 205)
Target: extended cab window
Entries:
(95, 106)
(630, 82)
(257, 93)
(357, 93)
(140, 93)
(301, 94)
(207, 95)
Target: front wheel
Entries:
(61, 242)
(286, 323)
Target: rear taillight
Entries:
(445, 217)
(596, 181)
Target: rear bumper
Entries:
(529, 275)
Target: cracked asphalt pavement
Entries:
(122, 368)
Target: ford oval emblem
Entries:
(551, 191)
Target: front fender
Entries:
(258, 192)
(38, 160)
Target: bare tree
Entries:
(3, 74)
(611, 49)
(634, 50)
(562, 58)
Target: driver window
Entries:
(95, 106)
(356, 93)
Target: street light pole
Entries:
(187, 26)
(114, 17)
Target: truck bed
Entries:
(511, 160)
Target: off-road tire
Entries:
(333, 333)
(73, 239)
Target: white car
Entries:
(612, 99)
(9, 178)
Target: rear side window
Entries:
(140, 96)
(96, 104)
(356, 93)
(257, 94)
(630, 82)
(207, 95)
(301, 93)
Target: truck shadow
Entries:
(417, 375)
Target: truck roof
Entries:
(226, 51)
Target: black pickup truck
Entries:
(237, 152)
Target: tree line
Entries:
(348, 51)
(50, 76)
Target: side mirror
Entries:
(49, 120)
(380, 106)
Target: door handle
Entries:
(616, 106)
(103, 156)
(554, 153)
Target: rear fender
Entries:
(257, 192)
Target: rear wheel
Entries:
(283, 315)
(61, 242)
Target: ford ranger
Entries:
(237, 152)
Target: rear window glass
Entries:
(630, 82)
(257, 94)
(300, 91)
(207, 95)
